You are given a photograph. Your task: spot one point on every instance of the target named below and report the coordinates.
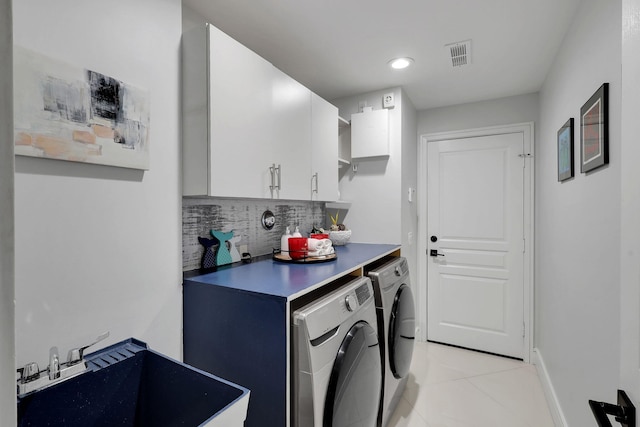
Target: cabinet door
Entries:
(240, 119)
(370, 134)
(195, 116)
(324, 149)
(292, 136)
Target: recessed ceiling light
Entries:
(400, 63)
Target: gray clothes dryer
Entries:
(396, 322)
(337, 367)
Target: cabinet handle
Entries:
(272, 171)
(275, 171)
(315, 176)
(279, 171)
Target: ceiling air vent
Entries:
(460, 53)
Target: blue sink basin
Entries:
(129, 384)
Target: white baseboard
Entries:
(547, 386)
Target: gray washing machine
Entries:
(396, 323)
(336, 357)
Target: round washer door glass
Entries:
(353, 394)
(402, 324)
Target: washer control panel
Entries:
(362, 294)
(350, 302)
(335, 308)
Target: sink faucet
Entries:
(32, 378)
(54, 364)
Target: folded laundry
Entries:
(321, 252)
(319, 244)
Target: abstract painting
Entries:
(70, 113)
(565, 151)
(594, 133)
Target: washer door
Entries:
(353, 394)
(402, 325)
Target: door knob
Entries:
(434, 253)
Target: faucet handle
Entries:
(29, 372)
(76, 355)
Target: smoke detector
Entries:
(460, 53)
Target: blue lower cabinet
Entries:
(235, 321)
(240, 336)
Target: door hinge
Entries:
(624, 412)
(524, 245)
(523, 329)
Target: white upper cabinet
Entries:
(247, 126)
(240, 117)
(324, 149)
(227, 117)
(370, 134)
(292, 136)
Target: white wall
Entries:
(7, 336)
(380, 211)
(98, 247)
(578, 222)
(191, 18)
(503, 111)
(375, 189)
(409, 181)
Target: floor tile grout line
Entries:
(427, 357)
(466, 380)
(509, 410)
(465, 375)
(497, 372)
(414, 411)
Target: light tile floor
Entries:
(452, 387)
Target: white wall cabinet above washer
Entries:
(247, 126)
(324, 150)
(291, 143)
(227, 117)
(370, 134)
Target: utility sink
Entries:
(129, 384)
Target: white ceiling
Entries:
(341, 47)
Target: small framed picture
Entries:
(594, 132)
(565, 151)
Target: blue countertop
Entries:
(292, 280)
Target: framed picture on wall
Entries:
(67, 112)
(594, 124)
(565, 151)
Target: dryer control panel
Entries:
(390, 273)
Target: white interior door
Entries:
(475, 289)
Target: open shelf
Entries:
(344, 142)
(338, 204)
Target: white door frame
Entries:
(527, 130)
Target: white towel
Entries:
(318, 244)
(321, 252)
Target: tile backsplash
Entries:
(243, 216)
